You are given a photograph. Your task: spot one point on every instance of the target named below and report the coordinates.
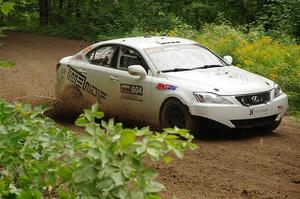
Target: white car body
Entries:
(141, 97)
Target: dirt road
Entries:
(36, 57)
(257, 165)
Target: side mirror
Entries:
(228, 59)
(137, 70)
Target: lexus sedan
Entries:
(166, 82)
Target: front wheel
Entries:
(174, 113)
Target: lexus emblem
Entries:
(255, 99)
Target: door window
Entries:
(104, 56)
(130, 57)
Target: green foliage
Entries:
(101, 20)
(294, 103)
(257, 52)
(39, 159)
(280, 17)
(31, 147)
(113, 157)
(6, 64)
(6, 7)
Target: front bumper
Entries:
(229, 114)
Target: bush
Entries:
(257, 52)
(280, 63)
(6, 64)
(39, 159)
(31, 147)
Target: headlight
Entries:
(210, 98)
(277, 90)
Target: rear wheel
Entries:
(72, 103)
(174, 113)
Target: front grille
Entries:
(262, 121)
(254, 99)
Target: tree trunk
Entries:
(44, 12)
(61, 5)
(77, 8)
(61, 11)
(69, 7)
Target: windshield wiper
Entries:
(176, 70)
(209, 66)
(185, 69)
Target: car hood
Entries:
(229, 80)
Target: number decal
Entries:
(131, 92)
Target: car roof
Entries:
(147, 42)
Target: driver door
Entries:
(133, 96)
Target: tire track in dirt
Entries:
(256, 165)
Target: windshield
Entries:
(188, 56)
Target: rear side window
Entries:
(104, 56)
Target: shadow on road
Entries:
(213, 135)
(233, 134)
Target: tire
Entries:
(72, 103)
(174, 113)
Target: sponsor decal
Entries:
(131, 92)
(87, 49)
(79, 80)
(261, 110)
(251, 111)
(78, 57)
(162, 86)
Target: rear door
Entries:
(97, 75)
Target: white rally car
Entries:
(166, 82)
